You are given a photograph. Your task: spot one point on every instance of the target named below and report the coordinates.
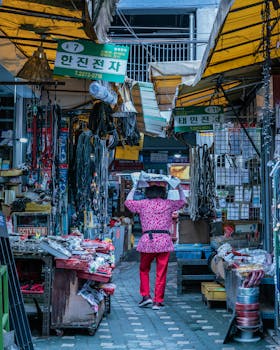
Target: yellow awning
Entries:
(166, 76)
(232, 87)
(24, 23)
(27, 23)
(234, 55)
(237, 39)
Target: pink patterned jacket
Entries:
(155, 214)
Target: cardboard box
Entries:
(194, 231)
(213, 293)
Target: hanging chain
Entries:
(267, 111)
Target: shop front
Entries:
(60, 245)
(233, 169)
(69, 150)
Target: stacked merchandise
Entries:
(95, 138)
(46, 159)
(247, 307)
(242, 268)
(84, 268)
(238, 183)
(92, 259)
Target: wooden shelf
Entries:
(192, 261)
(10, 173)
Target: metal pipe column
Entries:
(192, 51)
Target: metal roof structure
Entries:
(27, 24)
(235, 53)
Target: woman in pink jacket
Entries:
(155, 214)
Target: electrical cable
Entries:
(130, 29)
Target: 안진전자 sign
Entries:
(87, 60)
(189, 119)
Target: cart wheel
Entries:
(91, 331)
(59, 332)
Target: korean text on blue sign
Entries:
(87, 60)
(189, 119)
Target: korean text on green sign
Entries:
(87, 60)
(189, 119)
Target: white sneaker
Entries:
(157, 306)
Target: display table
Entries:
(69, 292)
(70, 310)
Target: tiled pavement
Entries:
(185, 323)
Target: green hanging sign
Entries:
(202, 118)
(86, 60)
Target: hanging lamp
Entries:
(36, 68)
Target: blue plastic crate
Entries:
(189, 255)
(207, 251)
(192, 251)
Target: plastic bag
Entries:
(142, 179)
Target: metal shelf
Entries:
(198, 277)
(192, 261)
(267, 280)
(203, 274)
(267, 312)
(43, 300)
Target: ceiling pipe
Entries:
(15, 11)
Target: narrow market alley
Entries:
(184, 323)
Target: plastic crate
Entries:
(188, 255)
(207, 250)
(192, 251)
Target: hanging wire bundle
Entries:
(202, 204)
(56, 189)
(84, 170)
(267, 111)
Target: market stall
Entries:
(82, 266)
(55, 192)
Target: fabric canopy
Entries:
(28, 23)
(237, 38)
(232, 87)
(166, 76)
(233, 59)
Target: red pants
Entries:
(161, 272)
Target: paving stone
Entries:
(185, 323)
(207, 327)
(67, 345)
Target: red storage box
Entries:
(94, 276)
(71, 264)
